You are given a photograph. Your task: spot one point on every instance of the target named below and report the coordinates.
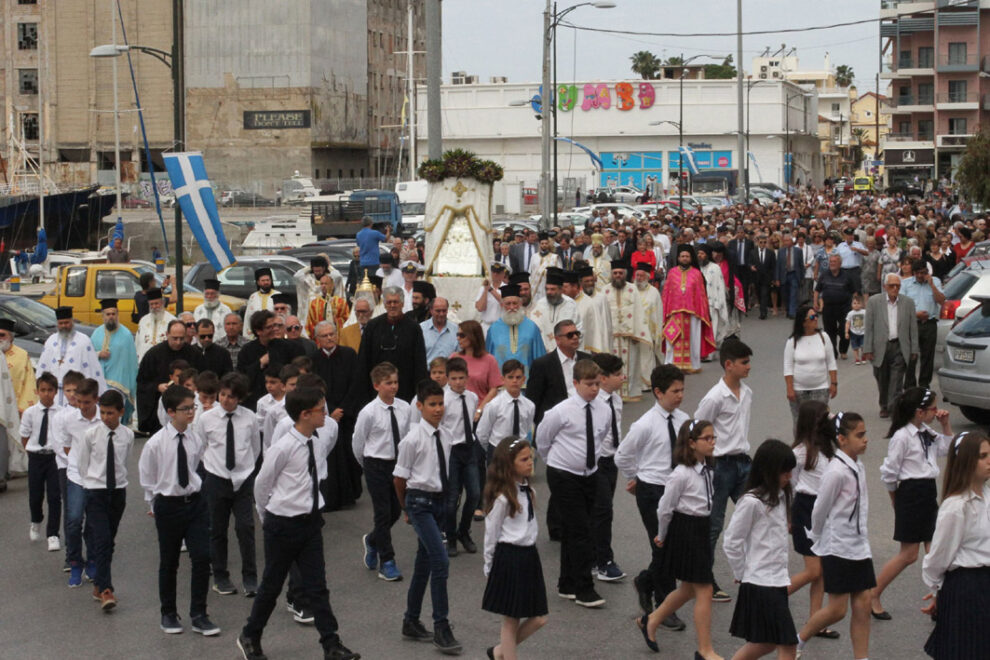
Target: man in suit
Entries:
(790, 272)
(741, 250)
(521, 253)
(890, 349)
(766, 269)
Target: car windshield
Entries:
(976, 324)
(32, 310)
(413, 208)
(959, 286)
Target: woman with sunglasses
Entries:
(810, 372)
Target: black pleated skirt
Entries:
(961, 630)
(801, 509)
(915, 511)
(762, 615)
(515, 583)
(686, 554)
(847, 576)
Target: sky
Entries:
(502, 37)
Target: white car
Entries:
(577, 219)
(964, 378)
(960, 298)
(627, 194)
(625, 210)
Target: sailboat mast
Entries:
(116, 111)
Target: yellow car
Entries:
(862, 183)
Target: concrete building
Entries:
(869, 112)
(936, 55)
(613, 120)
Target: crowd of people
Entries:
(443, 405)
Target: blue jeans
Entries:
(463, 474)
(426, 513)
(76, 530)
(731, 473)
(790, 289)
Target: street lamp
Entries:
(749, 87)
(680, 157)
(174, 61)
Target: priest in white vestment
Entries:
(594, 314)
(553, 308)
(647, 350)
(153, 326)
(69, 350)
(628, 326)
(260, 299)
(718, 305)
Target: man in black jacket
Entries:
(741, 256)
(391, 337)
(264, 350)
(766, 269)
(215, 358)
(153, 373)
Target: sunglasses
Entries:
(573, 334)
(293, 328)
(811, 317)
(461, 335)
(191, 324)
(205, 337)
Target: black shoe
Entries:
(337, 651)
(415, 631)
(223, 586)
(881, 616)
(589, 598)
(490, 652)
(452, 548)
(650, 644)
(202, 625)
(302, 615)
(673, 622)
(718, 595)
(250, 648)
(250, 586)
(171, 624)
(443, 639)
(644, 591)
(468, 544)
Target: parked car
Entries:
(34, 323)
(132, 202)
(964, 378)
(238, 280)
(338, 250)
(908, 190)
(242, 198)
(564, 219)
(498, 227)
(625, 210)
(960, 297)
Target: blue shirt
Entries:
(367, 241)
(850, 258)
(439, 343)
(921, 294)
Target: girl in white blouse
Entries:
(515, 588)
(756, 547)
(683, 528)
(957, 568)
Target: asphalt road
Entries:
(41, 618)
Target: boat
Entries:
(278, 233)
(72, 218)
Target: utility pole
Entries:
(546, 108)
(740, 135)
(434, 73)
(411, 86)
(179, 130)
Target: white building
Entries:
(613, 120)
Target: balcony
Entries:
(895, 8)
(958, 63)
(958, 4)
(906, 67)
(912, 103)
(958, 141)
(921, 140)
(958, 101)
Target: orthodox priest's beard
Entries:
(65, 333)
(5, 345)
(110, 324)
(211, 304)
(513, 318)
(642, 286)
(555, 299)
(157, 314)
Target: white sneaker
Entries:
(35, 533)
(53, 544)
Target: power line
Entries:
(811, 28)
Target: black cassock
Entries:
(402, 345)
(154, 371)
(280, 352)
(343, 485)
(216, 359)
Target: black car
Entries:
(908, 190)
(339, 251)
(238, 280)
(34, 322)
(241, 198)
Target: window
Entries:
(236, 276)
(957, 126)
(957, 52)
(116, 284)
(27, 36)
(957, 91)
(27, 2)
(904, 128)
(904, 60)
(926, 57)
(75, 282)
(926, 93)
(835, 107)
(29, 125)
(27, 81)
(926, 129)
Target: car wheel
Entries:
(976, 415)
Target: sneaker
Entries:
(250, 648)
(414, 630)
(35, 533)
(75, 577)
(171, 624)
(250, 586)
(67, 566)
(443, 639)
(719, 596)
(202, 625)
(90, 571)
(369, 554)
(183, 548)
(610, 572)
(566, 594)
(303, 615)
(452, 548)
(468, 543)
(107, 600)
(589, 598)
(389, 572)
(644, 592)
(223, 586)
(54, 545)
(337, 651)
(673, 622)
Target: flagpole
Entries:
(178, 118)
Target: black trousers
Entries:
(223, 500)
(763, 288)
(856, 277)
(647, 499)
(183, 519)
(890, 375)
(384, 505)
(575, 497)
(601, 513)
(834, 322)
(104, 509)
(43, 480)
(296, 540)
(927, 337)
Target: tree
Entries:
(971, 173)
(645, 64)
(723, 71)
(844, 75)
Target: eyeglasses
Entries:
(292, 328)
(573, 334)
(185, 409)
(191, 324)
(461, 335)
(811, 317)
(202, 337)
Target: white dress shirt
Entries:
(159, 459)
(418, 462)
(907, 457)
(755, 542)
(284, 485)
(496, 419)
(561, 437)
(646, 450)
(610, 444)
(808, 481)
(962, 536)
(688, 491)
(70, 427)
(275, 414)
(567, 366)
(502, 526)
(729, 415)
(453, 414)
(838, 521)
(92, 455)
(326, 434)
(891, 319)
(212, 427)
(264, 403)
(373, 429)
(31, 428)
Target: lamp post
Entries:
(749, 87)
(174, 61)
(680, 158)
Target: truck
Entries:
(83, 286)
(339, 216)
(412, 203)
(715, 182)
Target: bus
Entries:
(339, 216)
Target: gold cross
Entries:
(459, 189)
(456, 306)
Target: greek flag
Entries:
(195, 198)
(687, 153)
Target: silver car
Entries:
(960, 297)
(965, 374)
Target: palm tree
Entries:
(646, 64)
(844, 75)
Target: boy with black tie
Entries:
(36, 434)
(458, 421)
(609, 393)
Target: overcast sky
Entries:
(502, 37)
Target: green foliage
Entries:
(844, 75)
(458, 163)
(974, 166)
(646, 64)
(723, 71)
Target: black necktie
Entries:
(230, 441)
(615, 425)
(468, 437)
(182, 463)
(311, 468)
(589, 431)
(111, 464)
(855, 511)
(529, 500)
(442, 460)
(927, 440)
(43, 433)
(515, 417)
(673, 437)
(706, 472)
(395, 430)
